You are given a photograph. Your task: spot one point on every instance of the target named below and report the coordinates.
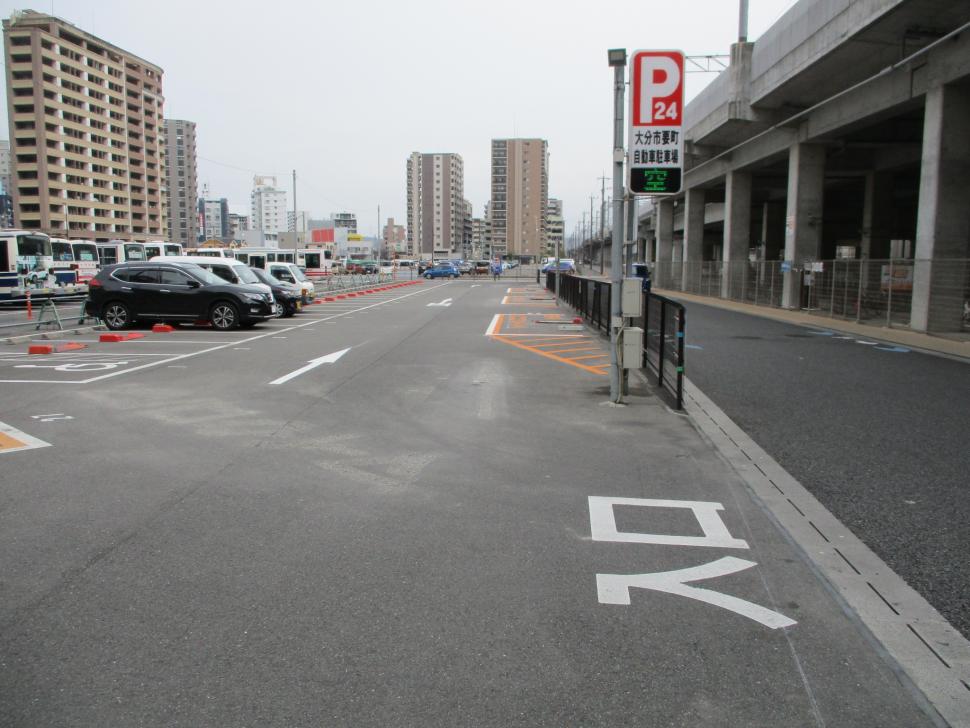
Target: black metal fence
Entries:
(664, 323)
(663, 340)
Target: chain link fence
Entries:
(876, 292)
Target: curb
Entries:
(47, 335)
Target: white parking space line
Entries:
(422, 290)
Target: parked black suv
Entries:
(289, 297)
(126, 292)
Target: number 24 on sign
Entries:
(615, 588)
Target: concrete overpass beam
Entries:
(803, 218)
(943, 219)
(737, 232)
(693, 238)
(665, 242)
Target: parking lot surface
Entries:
(381, 513)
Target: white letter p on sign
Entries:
(659, 78)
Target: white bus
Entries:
(120, 251)
(27, 264)
(154, 248)
(86, 259)
(211, 252)
(315, 261)
(260, 257)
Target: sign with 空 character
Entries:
(655, 141)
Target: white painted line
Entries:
(445, 302)
(615, 589)
(312, 364)
(227, 345)
(27, 442)
(490, 331)
(602, 523)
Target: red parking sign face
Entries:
(658, 88)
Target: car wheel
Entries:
(116, 316)
(453, 275)
(428, 276)
(224, 316)
(278, 310)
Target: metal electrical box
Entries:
(631, 299)
(632, 347)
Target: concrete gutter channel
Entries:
(927, 654)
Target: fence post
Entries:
(889, 307)
(663, 343)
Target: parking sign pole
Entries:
(617, 59)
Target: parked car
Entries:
(288, 296)
(361, 266)
(443, 270)
(566, 265)
(124, 293)
(229, 269)
(291, 273)
(464, 266)
(481, 267)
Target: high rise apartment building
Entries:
(268, 207)
(436, 204)
(182, 181)
(86, 132)
(520, 194)
(214, 216)
(555, 227)
(346, 220)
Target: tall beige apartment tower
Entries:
(182, 188)
(436, 204)
(86, 133)
(520, 194)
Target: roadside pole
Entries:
(617, 59)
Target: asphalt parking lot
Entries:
(407, 508)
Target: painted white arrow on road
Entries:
(446, 302)
(312, 364)
(615, 589)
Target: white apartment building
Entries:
(5, 178)
(268, 206)
(436, 203)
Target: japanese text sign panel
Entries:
(656, 139)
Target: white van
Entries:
(229, 269)
(291, 273)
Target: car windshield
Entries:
(246, 274)
(265, 277)
(207, 277)
(297, 273)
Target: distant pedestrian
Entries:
(496, 269)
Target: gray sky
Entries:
(343, 92)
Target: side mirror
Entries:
(194, 283)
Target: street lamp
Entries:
(617, 61)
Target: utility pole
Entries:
(617, 59)
(380, 239)
(602, 222)
(296, 235)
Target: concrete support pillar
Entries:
(693, 238)
(803, 218)
(943, 218)
(876, 223)
(665, 242)
(737, 232)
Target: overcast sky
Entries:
(344, 91)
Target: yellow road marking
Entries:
(7, 442)
(13, 440)
(554, 357)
